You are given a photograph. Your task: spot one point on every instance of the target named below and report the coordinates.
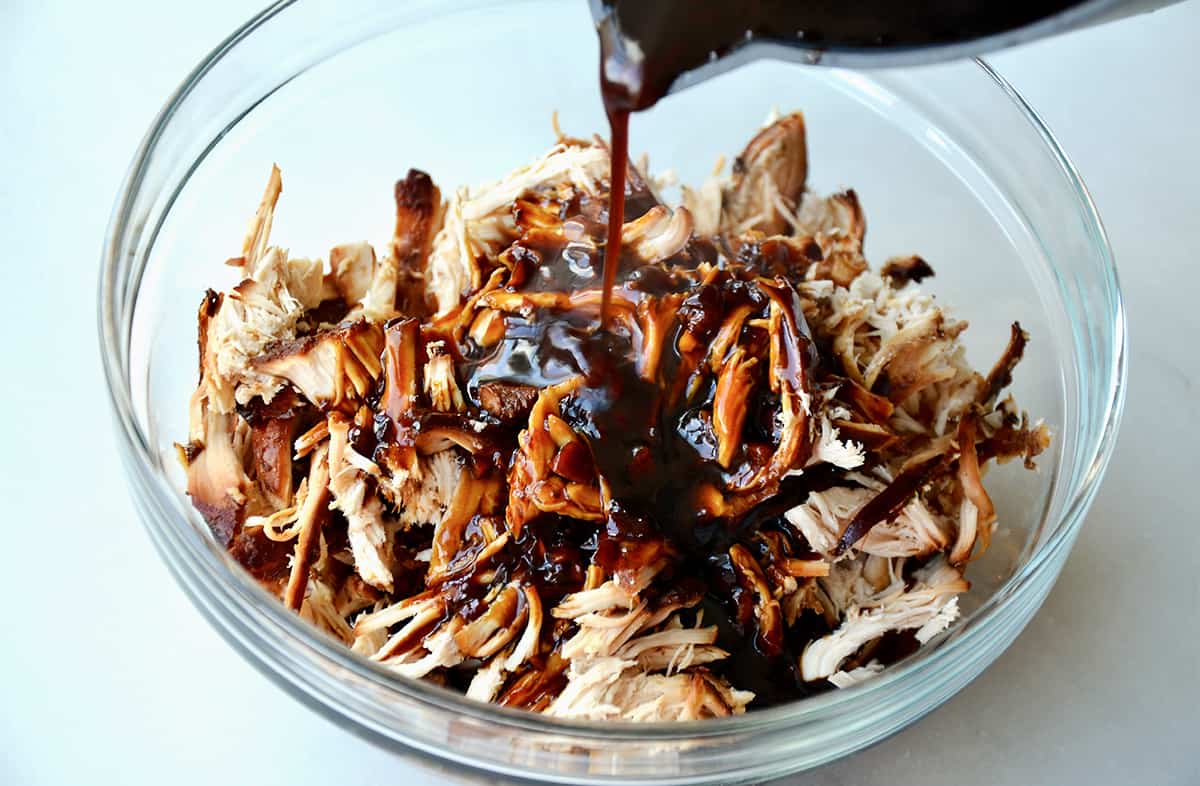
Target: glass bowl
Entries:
(948, 161)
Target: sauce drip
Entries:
(618, 121)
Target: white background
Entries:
(107, 675)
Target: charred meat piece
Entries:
(902, 270)
(508, 402)
(768, 179)
(419, 213)
(331, 368)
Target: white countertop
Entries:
(109, 675)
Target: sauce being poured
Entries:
(618, 121)
(647, 46)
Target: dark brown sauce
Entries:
(618, 121)
(652, 446)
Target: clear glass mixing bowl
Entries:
(948, 160)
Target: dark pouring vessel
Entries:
(655, 47)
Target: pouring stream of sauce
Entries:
(647, 45)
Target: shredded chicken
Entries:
(929, 608)
(365, 527)
(611, 688)
(773, 455)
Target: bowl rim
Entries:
(113, 339)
